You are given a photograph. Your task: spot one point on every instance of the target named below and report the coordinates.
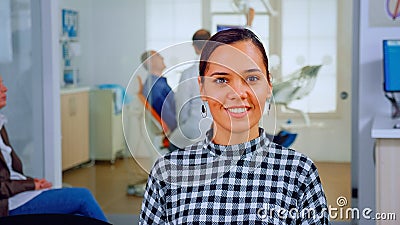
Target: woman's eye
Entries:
(253, 78)
(220, 80)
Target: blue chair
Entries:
(285, 138)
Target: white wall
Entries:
(369, 100)
(170, 25)
(112, 37)
(50, 94)
(118, 39)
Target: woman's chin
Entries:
(241, 128)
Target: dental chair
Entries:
(297, 86)
(145, 132)
(156, 126)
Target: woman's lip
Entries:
(237, 112)
(236, 106)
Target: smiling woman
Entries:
(234, 83)
(236, 174)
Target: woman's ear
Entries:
(270, 89)
(270, 85)
(200, 80)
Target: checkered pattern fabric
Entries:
(257, 182)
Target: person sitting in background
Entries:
(156, 89)
(159, 94)
(20, 194)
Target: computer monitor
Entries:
(391, 65)
(225, 27)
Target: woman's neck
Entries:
(223, 136)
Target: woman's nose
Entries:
(239, 89)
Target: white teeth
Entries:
(237, 110)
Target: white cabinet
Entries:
(106, 133)
(387, 152)
(74, 127)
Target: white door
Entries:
(301, 33)
(313, 35)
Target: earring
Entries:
(203, 111)
(269, 106)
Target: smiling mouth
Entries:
(237, 110)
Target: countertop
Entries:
(383, 127)
(71, 90)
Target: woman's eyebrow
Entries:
(253, 70)
(218, 74)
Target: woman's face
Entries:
(236, 87)
(3, 95)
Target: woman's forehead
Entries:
(238, 57)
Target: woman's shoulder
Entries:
(182, 156)
(180, 166)
(292, 158)
(189, 152)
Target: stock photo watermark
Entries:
(335, 213)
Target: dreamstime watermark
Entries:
(334, 213)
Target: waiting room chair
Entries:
(50, 219)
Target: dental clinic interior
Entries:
(74, 116)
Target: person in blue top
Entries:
(156, 89)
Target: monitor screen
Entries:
(225, 27)
(391, 65)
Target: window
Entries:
(304, 32)
(309, 38)
(225, 12)
(171, 23)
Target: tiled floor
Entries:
(109, 182)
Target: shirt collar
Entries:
(231, 150)
(3, 120)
